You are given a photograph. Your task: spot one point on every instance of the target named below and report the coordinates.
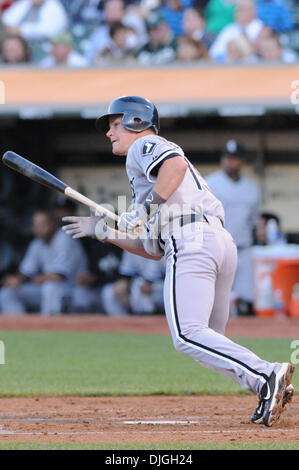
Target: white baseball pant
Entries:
(200, 269)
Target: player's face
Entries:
(120, 138)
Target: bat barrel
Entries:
(35, 173)
(32, 171)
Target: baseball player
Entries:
(241, 200)
(184, 222)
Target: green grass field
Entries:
(91, 364)
(43, 363)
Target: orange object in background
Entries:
(285, 277)
(263, 297)
(294, 304)
(276, 271)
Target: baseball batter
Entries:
(184, 222)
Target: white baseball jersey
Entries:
(144, 158)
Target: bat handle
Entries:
(73, 194)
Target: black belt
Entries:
(189, 219)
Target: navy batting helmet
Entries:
(138, 114)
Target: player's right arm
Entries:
(96, 227)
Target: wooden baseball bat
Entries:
(38, 174)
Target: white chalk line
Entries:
(156, 420)
(185, 420)
(83, 433)
(173, 422)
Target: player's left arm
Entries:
(170, 175)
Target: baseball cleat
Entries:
(257, 417)
(275, 395)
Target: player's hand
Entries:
(93, 226)
(132, 222)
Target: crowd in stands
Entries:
(86, 33)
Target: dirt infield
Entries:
(141, 419)
(200, 419)
(252, 327)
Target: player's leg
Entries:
(218, 319)
(220, 311)
(189, 299)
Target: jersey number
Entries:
(148, 148)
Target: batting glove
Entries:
(132, 222)
(79, 227)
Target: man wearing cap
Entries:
(241, 200)
(63, 53)
(161, 47)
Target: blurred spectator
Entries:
(173, 11)
(139, 290)
(85, 12)
(149, 5)
(14, 50)
(102, 269)
(63, 53)
(35, 19)
(6, 257)
(7, 253)
(189, 49)
(46, 272)
(246, 24)
(195, 28)
(114, 11)
(265, 32)
(275, 14)
(241, 200)
(218, 14)
(161, 47)
(270, 50)
(63, 207)
(240, 50)
(122, 46)
(267, 230)
(102, 266)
